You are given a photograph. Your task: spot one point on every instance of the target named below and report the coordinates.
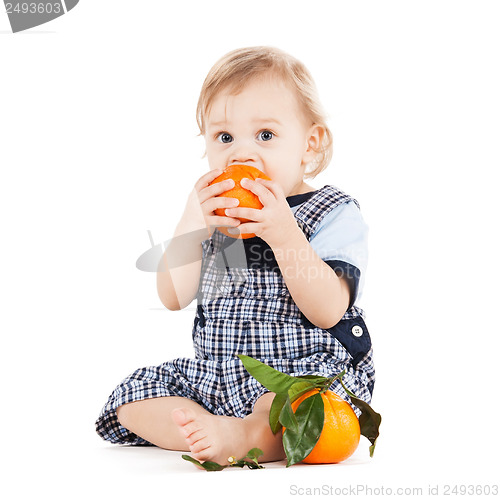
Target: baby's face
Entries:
(263, 127)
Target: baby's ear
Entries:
(315, 137)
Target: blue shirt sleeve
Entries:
(341, 241)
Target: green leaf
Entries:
(254, 454)
(275, 381)
(287, 417)
(301, 387)
(313, 378)
(275, 410)
(295, 391)
(283, 385)
(252, 465)
(310, 417)
(207, 465)
(369, 421)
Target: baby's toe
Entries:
(190, 429)
(183, 417)
(194, 436)
(200, 449)
(180, 417)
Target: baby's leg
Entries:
(152, 420)
(215, 438)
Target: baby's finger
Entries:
(250, 213)
(221, 202)
(205, 179)
(264, 194)
(274, 187)
(215, 189)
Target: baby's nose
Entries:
(244, 153)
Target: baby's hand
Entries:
(203, 202)
(275, 221)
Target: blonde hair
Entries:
(239, 67)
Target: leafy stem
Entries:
(250, 460)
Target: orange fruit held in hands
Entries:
(340, 435)
(247, 198)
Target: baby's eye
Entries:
(266, 135)
(224, 137)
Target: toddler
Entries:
(286, 297)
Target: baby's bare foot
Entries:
(210, 437)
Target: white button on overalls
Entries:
(357, 331)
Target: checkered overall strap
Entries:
(312, 212)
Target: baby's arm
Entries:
(178, 275)
(321, 295)
(179, 270)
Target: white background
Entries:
(98, 144)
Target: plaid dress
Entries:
(244, 307)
